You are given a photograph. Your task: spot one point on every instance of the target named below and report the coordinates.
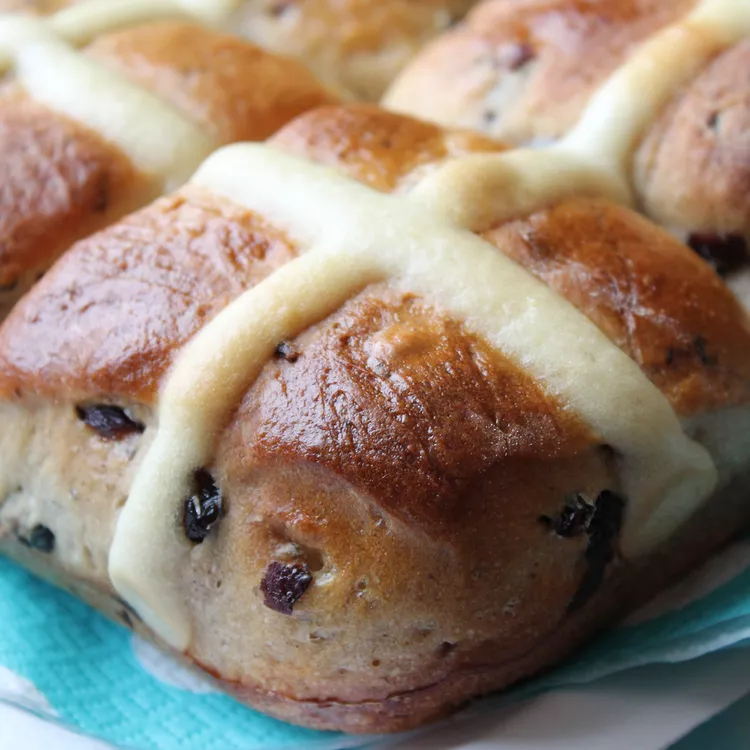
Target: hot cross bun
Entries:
(374, 418)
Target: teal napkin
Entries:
(61, 660)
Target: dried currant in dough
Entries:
(41, 539)
(109, 422)
(603, 531)
(573, 519)
(726, 253)
(283, 585)
(202, 509)
(288, 351)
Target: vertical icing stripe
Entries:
(215, 370)
(633, 96)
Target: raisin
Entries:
(445, 648)
(109, 422)
(726, 253)
(202, 509)
(41, 539)
(574, 517)
(283, 585)
(287, 351)
(698, 348)
(603, 531)
(707, 359)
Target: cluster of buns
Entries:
(382, 414)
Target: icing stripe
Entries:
(191, 409)
(159, 141)
(665, 475)
(480, 190)
(15, 33)
(632, 97)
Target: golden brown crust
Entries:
(110, 315)
(649, 293)
(234, 90)
(383, 150)
(60, 180)
(63, 182)
(692, 167)
(392, 389)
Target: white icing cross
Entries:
(357, 236)
(422, 243)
